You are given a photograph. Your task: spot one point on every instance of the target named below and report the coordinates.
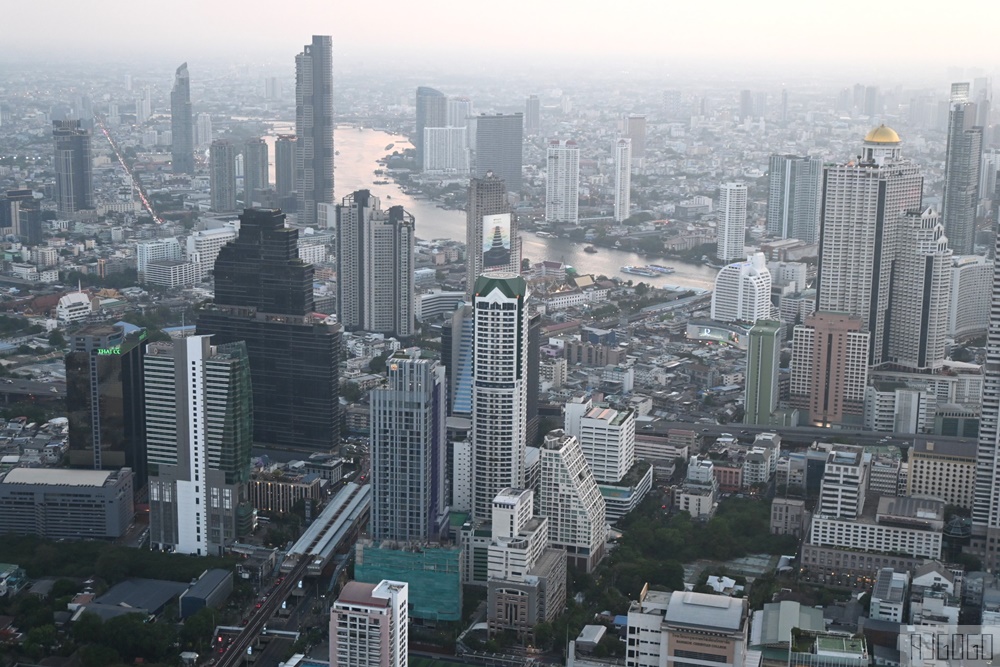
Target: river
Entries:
(355, 165)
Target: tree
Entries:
(641, 290)
(377, 365)
(198, 629)
(88, 629)
(56, 339)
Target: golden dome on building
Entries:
(882, 135)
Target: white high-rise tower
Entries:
(731, 233)
(499, 389)
(562, 187)
(623, 178)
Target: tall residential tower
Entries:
(314, 127)
(181, 124)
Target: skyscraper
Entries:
(986, 500)
(532, 115)
(432, 111)
(222, 175)
(635, 129)
(763, 359)
(369, 625)
(73, 167)
(105, 400)
(487, 198)
(606, 436)
(446, 149)
(863, 205)
(569, 498)
(314, 127)
(562, 184)
(408, 450)
(623, 178)
(199, 431)
(181, 123)
(743, 291)
(829, 369)
(374, 266)
(203, 129)
(746, 104)
(794, 197)
(921, 293)
(499, 148)
(456, 354)
(284, 165)
(961, 171)
(459, 111)
(263, 295)
(255, 175)
(499, 389)
(732, 227)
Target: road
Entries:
(798, 434)
(11, 387)
(237, 651)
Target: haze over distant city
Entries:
(788, 37)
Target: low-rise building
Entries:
(680, 627)
(56, 503)
(789, 517)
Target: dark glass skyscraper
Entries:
(263, 296)
(961, 172)
(255, 176)
(432, 111)
(181, 123)
(314, 127)
(104, 400)
(74, 171)
(499, 148)
(284, 165)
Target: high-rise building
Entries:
(369, 625)
(199, 432)
(264, 296)
(446, 149)
(374, 266)
(969, 307)
(73, 167)
(794, 197)
(527, 576)
(203, 246)
(961, 171)
(314, 127)
(105, 400)
(499, 389)
(432, 111)
(203, 129)
(459, 112)
(569, 498)
(166, 249)
(732, 226)
(623, 178)
(255, 170)
(456, 353)
(562, 184)
(845, 483)
(921, 293)
(487, 199)
(20, 214)
(222, 175)
(181, 123)
(408, 451)
(863, 205)
(829, 368)
(763, 359)
(284, 165)
(743, 291)
(606, 436)
(986, 500)
(532, 115)
(746, 104)
(635, 129)
(499, 148)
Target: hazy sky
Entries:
(888, 35)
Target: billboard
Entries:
(496, 241)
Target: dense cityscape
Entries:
(303, 366)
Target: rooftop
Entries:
(58, 477)
(882, 135)
(705, 611)
(357, 593)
